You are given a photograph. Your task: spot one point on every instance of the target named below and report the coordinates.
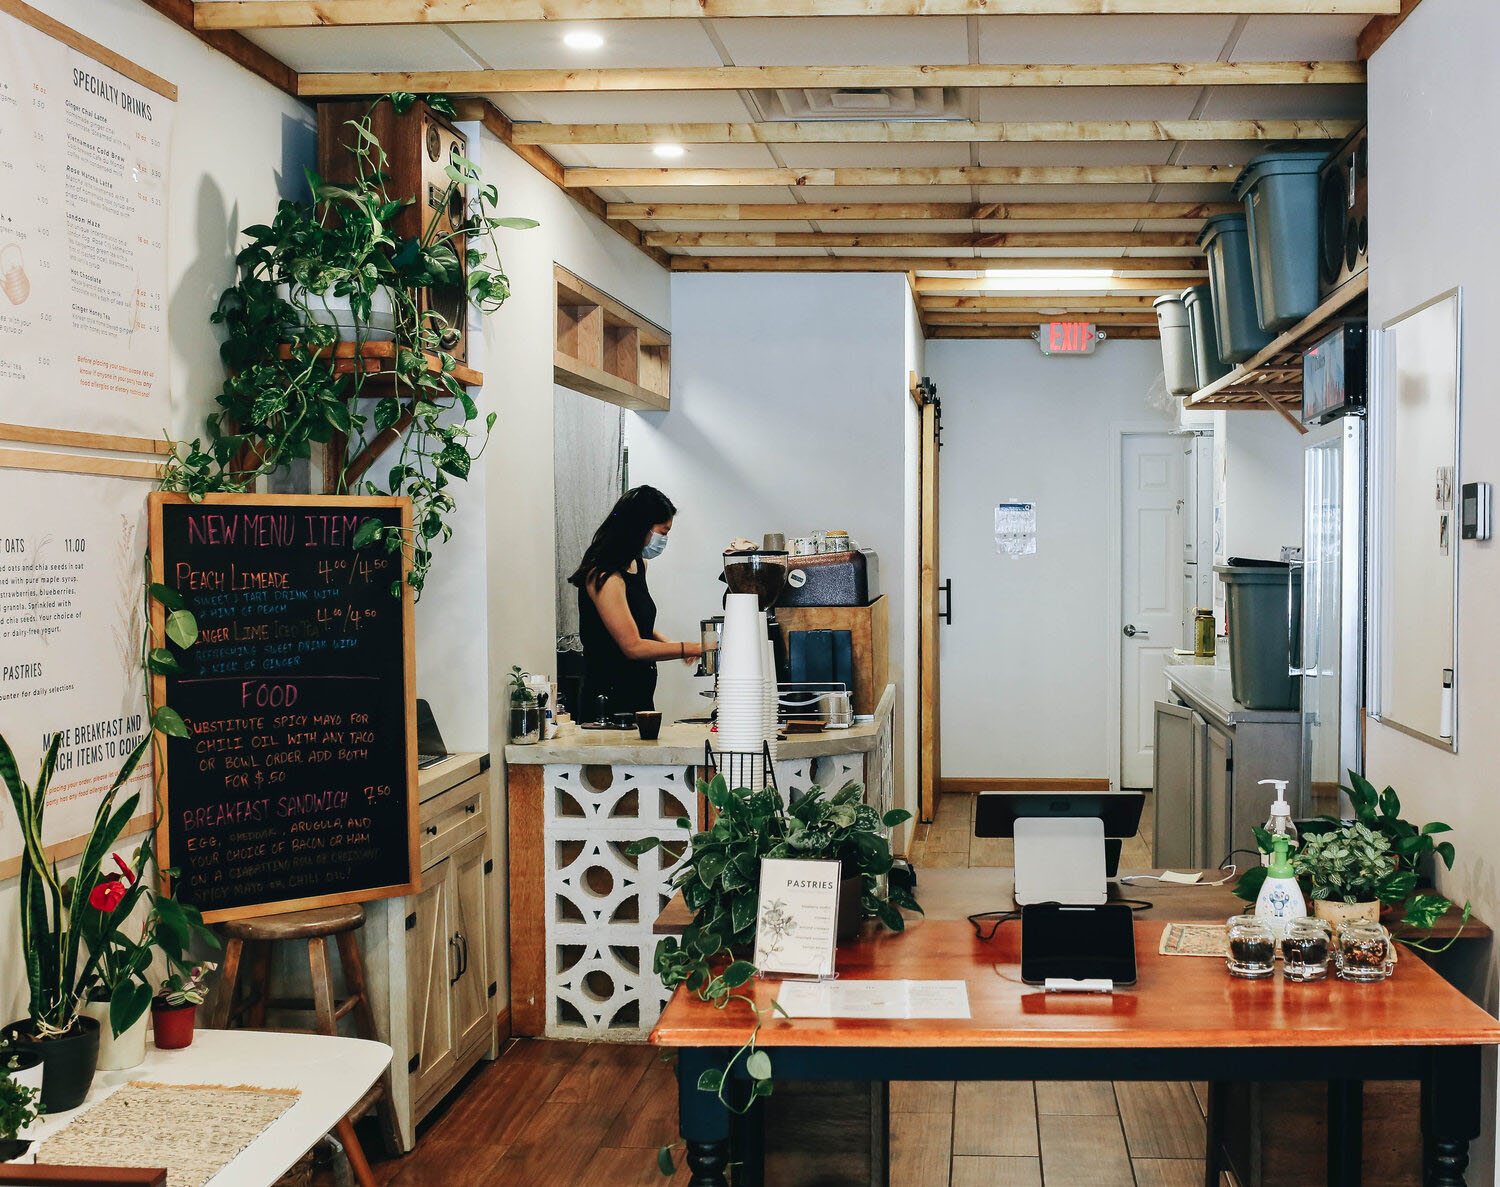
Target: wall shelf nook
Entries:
(608, 351)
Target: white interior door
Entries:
(1151, 575)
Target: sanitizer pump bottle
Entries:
(1280, 899)
(1280, 822)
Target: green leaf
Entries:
(517, 224)
(710, 865)
(167, 720)
(644, 845)
(894, 817)
(387, 413)
(162, 662)
(368, 532)
(169, 598)
(182, 628)
(664, 1161)
(711, 1080)
(761, 1088)
(758, 1065)
(1248, 887)
(738, 973)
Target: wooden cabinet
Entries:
(428, 955)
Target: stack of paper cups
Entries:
(741, 690)
(772, 693)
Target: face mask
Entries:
(654, 547)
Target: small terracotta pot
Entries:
(1339, 913)
(172, 1026)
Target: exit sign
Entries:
(1068, 337)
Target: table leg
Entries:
(1346, 1112)
(1218, 1114)
(702, 1118)
(1450, 1114)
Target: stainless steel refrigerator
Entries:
(1333, 609)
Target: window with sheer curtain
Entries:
(588, 466)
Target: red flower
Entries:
(107, 895)
(124, 869)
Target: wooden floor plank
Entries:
(1084, 1152)
(921, 1149)
(604, 1076)
(1200, 1093)
(1168, 1172)
(558, 1145)
(922, 1096)
(1161, 1120)
(995, 1118)
(996, 1172)
(650, 1120)
(635, 1168)
(1076, 1098)
(496, 1105)
(440, 1164)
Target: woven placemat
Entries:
(191, 1129)
(1195, 939)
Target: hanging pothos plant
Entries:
(287, 392)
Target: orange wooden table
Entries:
(1184, 1019)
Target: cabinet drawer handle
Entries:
(470, 809)
(463, 954)
(431, 830)
(453, 950)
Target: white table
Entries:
(331, 1074)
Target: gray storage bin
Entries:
(1176, 344)
(1225, 240)
(1280, 193)
(1207, 366)
(1263, 604)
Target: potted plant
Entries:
(123, 948)
(720, 883)
(526, 718)
(175, 1006)
(58, 964)
(18, 1109)
(1347, 872)
(23, 1065)
(327, 270)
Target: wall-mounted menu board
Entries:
(296, 786)
(85, 142)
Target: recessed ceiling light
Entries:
(582, 39)
(668, 150)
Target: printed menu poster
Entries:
(83, 225)
(797, 920)
(71, 623)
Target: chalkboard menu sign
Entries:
(296, 785)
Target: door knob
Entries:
(1130, 632)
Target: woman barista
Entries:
(616, 616)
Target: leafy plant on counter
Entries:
(521, 693)
(720, 883)
(187, 985)
(1377, 856)
(19, 1107)
(286, 390)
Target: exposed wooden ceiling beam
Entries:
(1031, 319)
(1027, 331)
(232, 45)
(944, 132)
(1037, 304)
(1186, 267)
(285, 14)
(738, 78)
(1379, 31)
(997, 213)
(589, 178)
(1106, 285)
(1057, 239)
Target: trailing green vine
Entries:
(287, 392)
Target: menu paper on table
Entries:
(874, 999)
(796, 922)
(84, 151)
(296, 784)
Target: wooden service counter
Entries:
(582, 908)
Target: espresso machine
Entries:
(758, 571)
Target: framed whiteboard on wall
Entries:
(1416, 420)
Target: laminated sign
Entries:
(1015, 529)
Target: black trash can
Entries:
(1264, 607)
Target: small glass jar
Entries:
(1306, 949)
(1252, 948)
(1364, 951)
(1205, 633)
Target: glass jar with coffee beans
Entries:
(1306, 949)
(1252, 948)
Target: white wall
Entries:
(788, 412)
(1262, 462)
(517, 582)
(218, 183)
(1025, 665)
(1431, 86)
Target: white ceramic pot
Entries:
(29, 1077)
(118, 1052)
(328, 310)
(1339, 913)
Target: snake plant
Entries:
(58, 964)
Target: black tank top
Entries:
(630, 684)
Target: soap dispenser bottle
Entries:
(1280, 899)
(1279, 824)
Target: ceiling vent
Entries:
(858, 103)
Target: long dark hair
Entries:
(618, 541)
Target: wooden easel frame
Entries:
(413, 885)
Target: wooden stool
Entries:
(314, 927)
